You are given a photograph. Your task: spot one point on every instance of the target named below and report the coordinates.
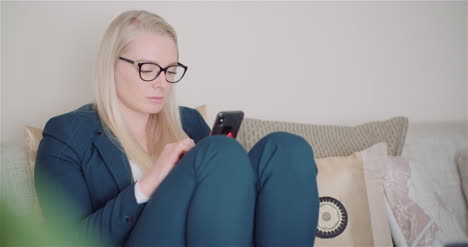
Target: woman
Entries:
(129, 165)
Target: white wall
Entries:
(317, 62)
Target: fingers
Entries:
(186, 144)
(179, 148)
(183, 147)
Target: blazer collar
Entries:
(115, 160)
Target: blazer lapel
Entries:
(115, 160)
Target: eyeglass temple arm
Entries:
(128, 60)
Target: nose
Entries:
(160, 81)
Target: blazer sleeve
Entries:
(59, 180)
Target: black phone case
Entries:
(227, 122)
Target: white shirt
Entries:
(137, 175)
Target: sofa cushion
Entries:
(331, 140)
(16, 183)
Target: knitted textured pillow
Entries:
(331, 140)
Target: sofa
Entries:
(431, 147)
(429, 210)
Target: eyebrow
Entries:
(149, 61)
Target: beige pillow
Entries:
(202, 110)
(462, 163)
(32, 138)
(352, 212)
(331, 140)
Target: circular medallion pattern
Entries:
(333, 218)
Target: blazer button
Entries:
(129, 219)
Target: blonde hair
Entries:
(163, 127)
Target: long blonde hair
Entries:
(163, 127)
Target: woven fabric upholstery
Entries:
(16, 183)
(331, 140)
(461, 158)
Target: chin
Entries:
(153, 109)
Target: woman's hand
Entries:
(168, 158)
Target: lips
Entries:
(155, 100)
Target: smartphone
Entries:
(227, 123)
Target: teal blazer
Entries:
(77, 160)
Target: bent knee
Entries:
(289, 142)
(221, 144)
(224, 153)
(294, 148)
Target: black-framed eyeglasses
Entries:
(151, 71)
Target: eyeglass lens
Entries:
(149, 71)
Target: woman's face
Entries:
(132, 91)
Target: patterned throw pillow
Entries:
(331, 140)
(352, 210)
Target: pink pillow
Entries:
(417, 215)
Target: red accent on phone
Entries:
(230, 135)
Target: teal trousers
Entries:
(220, 195)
